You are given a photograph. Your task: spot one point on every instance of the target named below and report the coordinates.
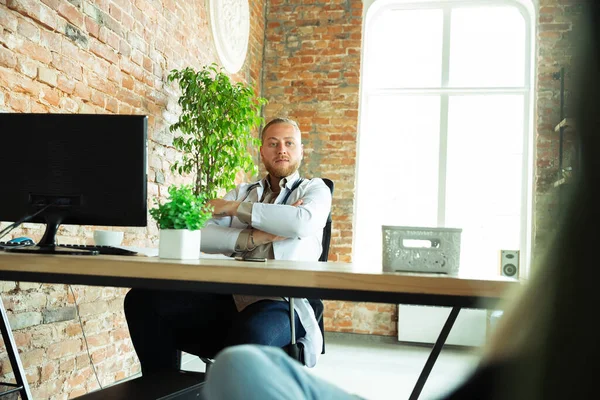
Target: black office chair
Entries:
(294, 349)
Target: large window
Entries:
(445, 132)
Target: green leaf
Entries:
(184, 210)
(215, 129)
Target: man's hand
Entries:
(224, 208)
(261, 237)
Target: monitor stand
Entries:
(48, 243)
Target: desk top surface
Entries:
(275, 273)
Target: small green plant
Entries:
(216, 128)
(183, 210)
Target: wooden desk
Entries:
(332, 280)
(339, 281)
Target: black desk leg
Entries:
(15, 361)
(437, 348)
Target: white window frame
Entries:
(526, 8)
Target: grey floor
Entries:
(378, 368)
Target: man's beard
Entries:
(281, 171)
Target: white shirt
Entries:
(302, 225)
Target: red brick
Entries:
(130, 98)
(53, 4)
(79, 378)
(48, 76)
(71, 14)
(115, 12)
(35, 51)
(77, 392)
(36, 10)
(147, 63)
(113, 40)
(550, 35)
(40, 108)
(22, 339)
(127, 22)
(63, 348)
(101, 339)
(32, 358)
(68, 104)
(8, 21)
(30, 8)
(83, 92)
(50, 96)
(71, 68)
(114, 74)
(25, 85)
(92, 27)
(137, 57)
(103, 51)
(112, 105)
(48, 372)
(7, 58)
(51, 40)
(29, 30)
(127, 81)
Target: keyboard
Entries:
(6, 244)
(108, 250)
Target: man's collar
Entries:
(289, 180)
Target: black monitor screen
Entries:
(86, 169)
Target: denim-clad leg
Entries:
(250, 372)
(265, 322)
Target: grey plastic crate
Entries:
(438, 250)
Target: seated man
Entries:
(279, 217)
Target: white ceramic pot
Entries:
(180, 244)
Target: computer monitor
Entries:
(86, 169)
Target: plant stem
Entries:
(198, 185)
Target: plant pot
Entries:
(180, 244)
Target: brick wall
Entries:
(556, 48)
(97, 56)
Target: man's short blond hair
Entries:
(279, 120)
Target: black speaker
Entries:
(509, 263)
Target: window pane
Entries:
(487, 47)
(484, 177)
(404, 49)
(398, 170)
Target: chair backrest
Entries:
(327, 229)
(295, 350)
(316, 304)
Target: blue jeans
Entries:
(265, 373)
(163, 322)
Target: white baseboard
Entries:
(422, 324)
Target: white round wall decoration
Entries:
(230, 25)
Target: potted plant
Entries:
(180, 220)
(214, 132)
(216, 125)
